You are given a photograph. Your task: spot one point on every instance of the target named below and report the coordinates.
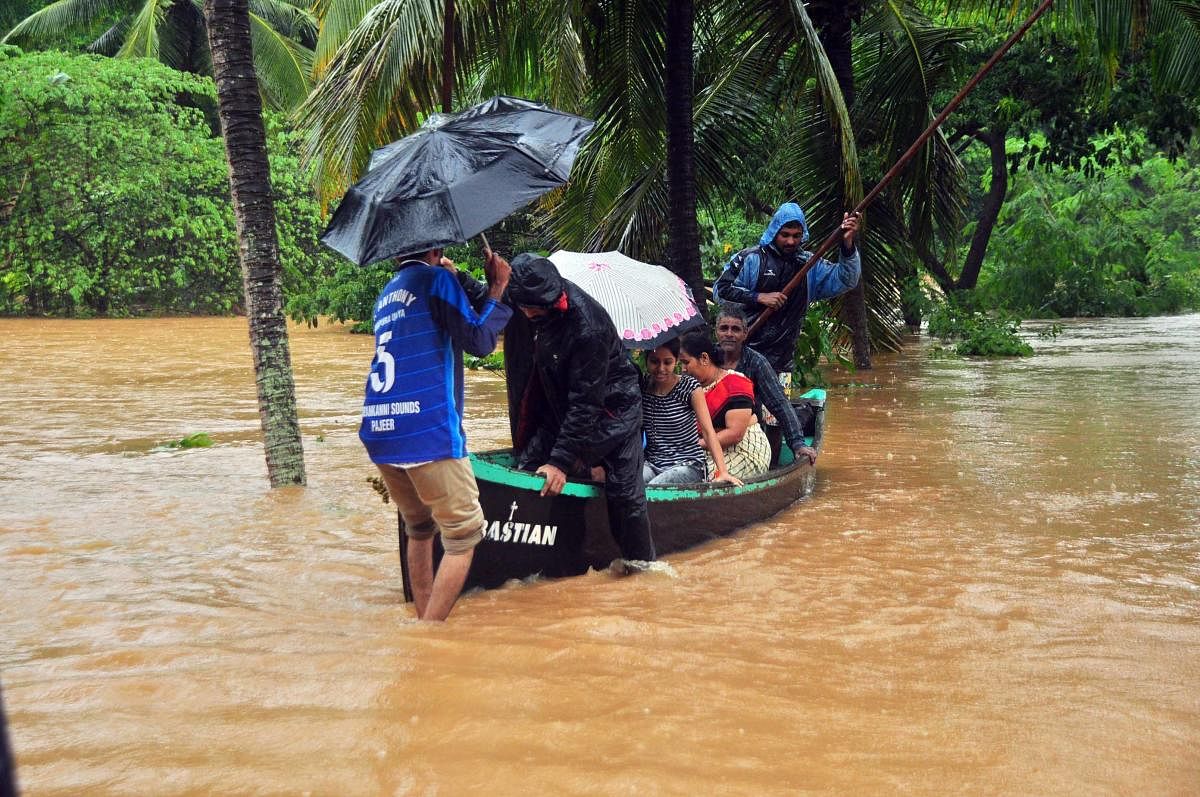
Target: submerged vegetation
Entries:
(197, 440)
(973, 332)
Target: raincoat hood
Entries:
(535, 282)
(787, 213)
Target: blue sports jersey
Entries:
(413, 410)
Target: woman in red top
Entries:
(730, 399)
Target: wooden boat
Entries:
(565, 535)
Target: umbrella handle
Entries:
(487, 248)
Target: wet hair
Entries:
(733, 310)
(697, 343)
(672, 346)
(794, 224)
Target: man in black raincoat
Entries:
(593, 403)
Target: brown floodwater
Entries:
(994, 589)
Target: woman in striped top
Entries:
(674, 415)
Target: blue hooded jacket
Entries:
(764, 269)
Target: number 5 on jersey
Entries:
(382, 357)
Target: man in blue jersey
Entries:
(412, 421)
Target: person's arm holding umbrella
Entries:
(475, 332)
(477, 292)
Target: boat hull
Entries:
(527, 534)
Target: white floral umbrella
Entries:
(648, 304)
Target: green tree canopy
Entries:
(113, 191)
(172, 31)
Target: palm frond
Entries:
(1176, 59)
(1190, 10)
(617, 196)
(109, 42)
(563, 60)
(531, 49)
(338, 19)
(380, 83)
(282, 64)
(813, 62)
(182, 37)
(295, 21)
(142, 39)
(55, 19)
(903, 61)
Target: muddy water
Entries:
(995, 589)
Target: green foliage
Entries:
(976, 333)
(114, 195)
(343, 292)
(821, 340)
(490, 362)
(1123, 243)
(174, 33)
(725, 230)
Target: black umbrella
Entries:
(454, 178)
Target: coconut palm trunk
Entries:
(448, 57)
(835, 32)
(239, 107)
(683, 229)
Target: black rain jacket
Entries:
(582, 393)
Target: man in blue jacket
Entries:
(755, 277)
(412, 424)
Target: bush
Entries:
(977, 333)
(114, 194)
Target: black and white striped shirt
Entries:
(672, 437)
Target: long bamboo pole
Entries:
(836, 235)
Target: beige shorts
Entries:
(438, 496)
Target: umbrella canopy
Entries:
(648, 304)
(455, 177)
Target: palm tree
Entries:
(683, 229)
(879, 79)
(381, 68)
(619, 196)
(834, 23)
(172, 31)
(240, 110)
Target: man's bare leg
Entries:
(420, 572)
(451, 575)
